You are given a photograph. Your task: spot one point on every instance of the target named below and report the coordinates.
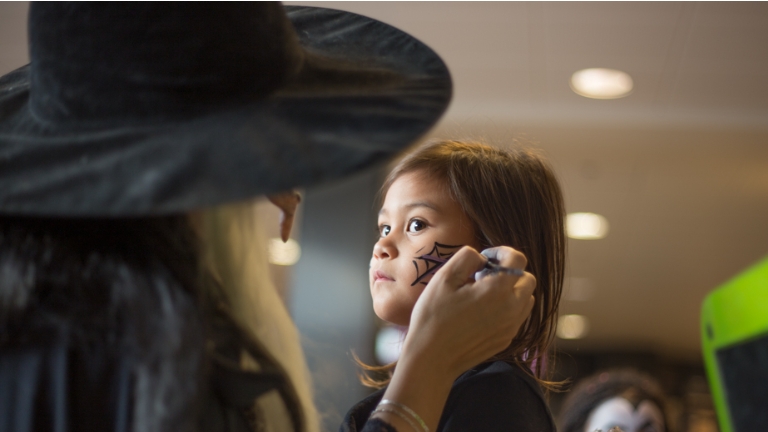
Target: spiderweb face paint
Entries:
(426, 266)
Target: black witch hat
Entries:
(153, 108)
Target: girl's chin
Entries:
(391, 315)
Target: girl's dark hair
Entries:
(111, 301)
(591, 391)
(513, 199)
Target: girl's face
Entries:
(418, 218)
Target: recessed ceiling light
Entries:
(285, 254)
(586, 226)
(572, 327)
(600, 83)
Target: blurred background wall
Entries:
(678, 168)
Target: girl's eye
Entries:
(384, 230)
(416, 225)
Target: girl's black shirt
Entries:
(493, 396)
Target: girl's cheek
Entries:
(421, 282)
(419, 288)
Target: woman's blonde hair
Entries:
(235, 252)
(513, 199)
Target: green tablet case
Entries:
(734, 333)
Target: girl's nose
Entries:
(384, 249)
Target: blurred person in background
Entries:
(622, 398)
(134, 293)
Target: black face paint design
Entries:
(425, 266)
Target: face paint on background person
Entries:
(619, 412)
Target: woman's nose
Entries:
(384, 249)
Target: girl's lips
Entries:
(378, 275)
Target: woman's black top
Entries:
(494, 396)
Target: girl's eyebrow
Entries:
(409, 206)
(426, 204)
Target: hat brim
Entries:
(303, 135)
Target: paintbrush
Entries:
(491, 264)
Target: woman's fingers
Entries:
(509, 297)
(458, 271)
(504, 256)
(512, 292)
(507, 257)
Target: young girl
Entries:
(438, 199)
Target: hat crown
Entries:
(138, 109)
(95, 61)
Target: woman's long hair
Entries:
(120, 290)
(235, 251)
(513, 199)
(113, 304)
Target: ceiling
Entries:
(679, 168)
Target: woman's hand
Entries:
(457, 323)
